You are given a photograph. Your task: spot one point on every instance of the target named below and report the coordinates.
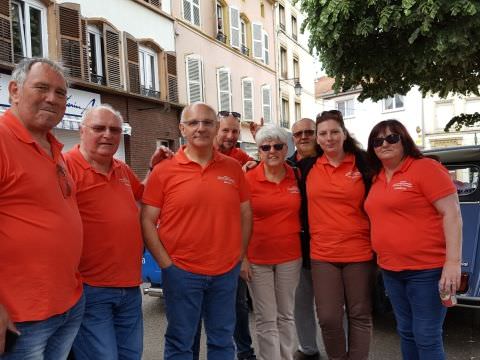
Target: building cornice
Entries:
(154, 8)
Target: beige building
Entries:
(226, 57)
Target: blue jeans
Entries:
(49, 339)
(418, 311)
(112, 327)
(190, 297)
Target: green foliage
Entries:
(462, 120)
(388, 46)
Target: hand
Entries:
(249, 165)
(5, 323)
(450, 279)
(254, 127)
(160, 154)
(245, 271)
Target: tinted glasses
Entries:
(391, 139)
(228, 113)
(266, 148)
(302, 133)
(115, 130)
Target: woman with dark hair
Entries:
(342, 266)
(416, 231)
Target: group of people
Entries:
(305, 235)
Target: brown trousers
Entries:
(344, 288)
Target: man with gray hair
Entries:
(107, 192)
(41, 298)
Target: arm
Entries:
(449, 209)
(246, 226)
(149, 217)
(5, 323)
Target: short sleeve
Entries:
(137, 186)
(434, 180)
(153, 194)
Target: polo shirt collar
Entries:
(405, 165)
(260, 172)
(182, 158)
(349, 158)
(78, 157)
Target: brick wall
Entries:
(149, 122)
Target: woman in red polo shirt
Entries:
(342, 266)
(274, 251)
(416, 233)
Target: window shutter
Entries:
(187, 10)
(194, 79)
(257, 41)
(70, 39)
(156, 3)
(6, 43)
(266, 101)
(172, 77)
(224, 90)
(247, 94)
(234, 28)
(85, 59)
(111, 44)
(196, 12)
(266, 58)
(133, 66)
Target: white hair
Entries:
(108, 107)
(271, 133)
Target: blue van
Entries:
(151, 273)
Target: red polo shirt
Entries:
(199, 222)
(112, 245)
(339, 227)
(40, 227)
(238, 154)
(407, 230)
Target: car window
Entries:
(465, 178)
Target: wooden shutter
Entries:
(224, 90)
(156, 3)
(247, 95)
(172, 77)
(234, 28)
(196, 12)
(194, 79)
(133, 66)
(6, 38)
(69, 24)
(111, 45)
(257, 41)
(85, 58)
(266, 103)
(265, 48)
(187, 10)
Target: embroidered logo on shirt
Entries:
(353, 174)
(293, 190)
(226, 180)
(402, 185)
(125, 181)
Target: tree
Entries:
(387, 46)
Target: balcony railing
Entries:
(150, 92)
(245, 50)
(221, 37)
(98, 79)
(285, 124)
(294, 36)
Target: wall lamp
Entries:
(297, 86)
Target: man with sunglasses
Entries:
(41, 297)
(200, 201)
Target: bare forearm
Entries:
(246, 218)
(452, 227)
(154, 245)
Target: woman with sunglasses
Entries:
(274, 253)
(416, 233)
(341, 254)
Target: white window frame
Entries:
(257, 43)
(220, 91)
(395, 106)
(246, 100)
(266, 47)
(243, 33)
(25, 30)
(267, 106)
(200, 82)
(192, 5)
(349, 110)
(440, 107)
(99, 56)
(145, 71)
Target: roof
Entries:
(323, 86)
(456, 154)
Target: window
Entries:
(262, 9)
(148, 72)
(96, 55)
(465, 178)
(194, 68)
(164, 142)
(298, 111)
(234, 28)
(219, 17)
(346, 107)
(243, 37)
(283, 63)
(472, 106)
(393, 103)
(285, 114)
(296, 68)
(247, 95)
(266, 104)
(294, 28)
(224, 90)
(443, 113)
(266, 58)
(156, 3)
(257, 41)
(281, 16)
(29, 27)
(191, 11)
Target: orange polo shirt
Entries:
(339, 227)
(40, 227)
(407, 230)
(276, 218)
(238, 154)
(199, 223)
(112, 242)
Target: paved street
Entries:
(462, 334)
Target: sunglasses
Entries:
(115, 130)
(228, 113)
(267, 148)
(302, 133)
(391, 139)
(63, 181)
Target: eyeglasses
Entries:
(196, 123)
(63, 181)
(228, 113)
(115, 130)
(302, 133)
(267, 148)
(391, 139)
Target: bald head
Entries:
(197, 106)
(304, 137)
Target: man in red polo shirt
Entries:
(200, 200)
(41, 229)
